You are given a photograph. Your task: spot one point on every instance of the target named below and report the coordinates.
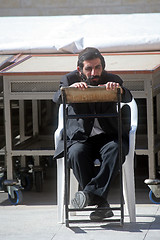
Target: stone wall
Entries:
(76, 7)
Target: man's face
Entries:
(92, 70)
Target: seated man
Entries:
(91, 138)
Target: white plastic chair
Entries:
(128, 167)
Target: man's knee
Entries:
(76, 152)
(110, 146)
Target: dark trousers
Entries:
(81, 158)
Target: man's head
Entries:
(90, 65)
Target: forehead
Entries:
(92, 62)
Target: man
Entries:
(90, 138)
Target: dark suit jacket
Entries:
(80, 129)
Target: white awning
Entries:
(71, 34)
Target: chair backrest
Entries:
(134, 119)
(134, 113)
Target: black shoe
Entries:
(80, 200)
(99, 215)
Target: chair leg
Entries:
(60, 190)
(73, 188)
(129, 188)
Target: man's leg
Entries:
(95, 191)
(100, 184)
(81, 160)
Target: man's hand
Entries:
(112, 85)
(80, 85)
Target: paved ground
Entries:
(36, 218)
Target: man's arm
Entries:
(67, 80)
(57, 96)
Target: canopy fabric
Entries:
(71, 34)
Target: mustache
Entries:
(91, 81)
(93, 77)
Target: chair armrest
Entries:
(59, 130)
(57, 136)
(132, 140)
(133, 130)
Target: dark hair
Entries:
(90, 53)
